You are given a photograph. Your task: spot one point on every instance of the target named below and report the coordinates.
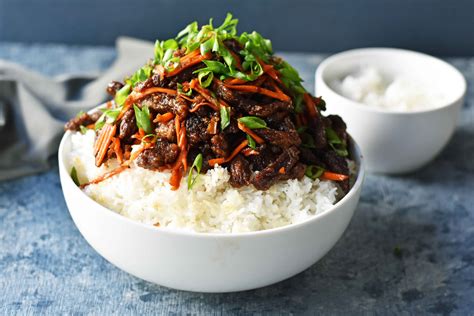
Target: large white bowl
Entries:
(206, 262)
(394, 142)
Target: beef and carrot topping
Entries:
(213, 97)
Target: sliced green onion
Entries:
(253, 122)
(143, 118)
(197, 164)
(252, 144)
(313, 172)
(74, 176)
(225, 117)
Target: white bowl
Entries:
(394, 142)
(206, 262)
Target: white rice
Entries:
(402, 93)
(212, 205)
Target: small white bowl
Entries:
(394, 142)
(206, 262)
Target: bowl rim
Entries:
(320, 72)
(356, 187)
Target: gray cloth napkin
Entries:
(34, 108)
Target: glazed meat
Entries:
(83, 119)
(240, 172)
(128, 125)
(161, 154)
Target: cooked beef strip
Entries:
(317, 129)
(276, 118)
(166, 131)
(240, 172)
(205, 150)
(338, 125)
(162, 103)
(297, 172)
(84, 119)
(308, 157)
(160, 154)
(128, 126)
(220, 145)
(265, 110)
(280, 138)
(265, 178)
(183, 76)
(243, 103)
(158, 82)
(113, 87)
(337, 164)
(196, 129)
(226, 94)
(267, 154)
(144, 84)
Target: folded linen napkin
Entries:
(34, 108)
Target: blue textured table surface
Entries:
(47, 267)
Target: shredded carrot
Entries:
(118, 149)
(327, 175)
(148, 91)
(136, 153)
(126, 154)
(255, 89)
(310, 106)
(189, 60)
(99, 140)
(198, 106)
(177, 128)
(187, 98)
(220, 161)
(282, 170)
(212, 127)
(190, 55)
(183, 144)
(109, 132)
(205, 93)
(175, 180)
(216, 161)
(237, 81)
(163, 118)
(234, 81)
(139, 135)
(91, 126)
(105, 176)
(270, 70)
(247, 130)
(275, 86)
(180, 164)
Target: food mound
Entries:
(209, 98)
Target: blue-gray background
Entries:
(437, 27)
